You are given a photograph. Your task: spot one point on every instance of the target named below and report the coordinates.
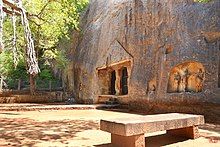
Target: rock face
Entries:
(154, 51)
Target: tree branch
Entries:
(13, 6)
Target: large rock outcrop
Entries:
(171, 50)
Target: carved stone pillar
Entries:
(117, 82)
(129, 77)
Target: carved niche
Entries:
(186, 77)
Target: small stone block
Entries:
(128, 141)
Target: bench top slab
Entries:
(150, 123)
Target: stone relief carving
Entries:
(186, 77)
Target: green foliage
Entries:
(8, 34)
(46, 75)
(9, 72)
(55, 58)
(12, 74)
(6, 64)
(19, 72)
(7, 68)
(50, 21)
(202, 1)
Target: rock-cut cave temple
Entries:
(147, 52)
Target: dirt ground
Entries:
(80, 128)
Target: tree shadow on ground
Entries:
(27, 132)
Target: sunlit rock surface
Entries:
(150, 38)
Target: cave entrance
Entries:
(124, 81)
(112, 86)
(114, 79)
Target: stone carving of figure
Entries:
(174, 82)
(182, 84)
(186, 77)
(195, 81)
(182, 80)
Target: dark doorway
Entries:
(124, 81)
(112, 86)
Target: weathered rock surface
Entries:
(154, 36)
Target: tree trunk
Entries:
(32, 85)
(63, 84)
(1, 84)
(50, 85)
(19, 84)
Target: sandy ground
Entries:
(80, 128)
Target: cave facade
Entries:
(153, 51)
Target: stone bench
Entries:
(129, 132)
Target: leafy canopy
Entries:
(50, 21)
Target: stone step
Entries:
(102, 99)
(112, 103)
(108, 100)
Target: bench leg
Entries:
(128, 141)
(189, 132)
